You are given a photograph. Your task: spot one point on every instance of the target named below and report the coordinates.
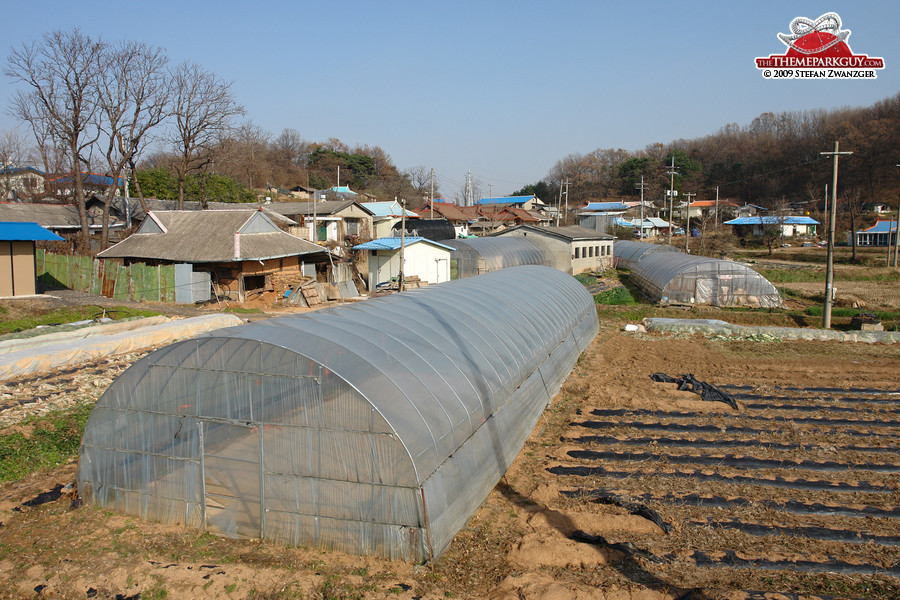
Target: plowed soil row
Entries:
(791, 501)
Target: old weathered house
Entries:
(243, 250)
(329, 221)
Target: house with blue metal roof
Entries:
(427, 260)
(882, 233)
(17, 256)
(386, 215)
(524, 202)
(790, 225)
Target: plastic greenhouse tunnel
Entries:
(677, 278)
(627, 254)
(483, 255)
(375, 428)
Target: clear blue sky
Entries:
(502, 88)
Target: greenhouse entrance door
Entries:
(231, 478)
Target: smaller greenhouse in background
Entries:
(677, 278)
(627, 254)
(475, 256)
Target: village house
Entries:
(17, 183)
(789, 226)
(18, 272)
(458, 216)
(425, 259)
(61, 219)
(882, 233)
(701, 209)
(574, 249)
(528, 203)
(386, 216)
(339, 221)
(242, 251)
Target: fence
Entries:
(107, 278)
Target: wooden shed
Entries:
(17, 261)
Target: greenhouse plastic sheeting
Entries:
(482, 255)
(627, 254)
(676, 278)
(373, 428)
(76, 347)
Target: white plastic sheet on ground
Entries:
(30, 356)
(717, 327)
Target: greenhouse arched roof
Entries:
(481, 255)
(677, 278)
(627, 253)
(375, 428)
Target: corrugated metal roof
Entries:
(52, 216)
(570, 232)
(393, 243)
(506, 200)
(329, 207)
(772, 220)
(209, 236)
(387, 209)
(10, 170)
(606, 206)
(881, 227)
(26, 232)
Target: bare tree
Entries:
(203, 108)
(134, 92)
(13, 151)
(853, 204)
(61, 72)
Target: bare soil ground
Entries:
(794, 494)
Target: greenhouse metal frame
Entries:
(677, 278)
(475, 256)
(376, 428)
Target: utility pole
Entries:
(491, 189)
(687, 224)
(566, 217)
(339, 177)
(829, 265)
(402, 242)
(641, 187)
(468, 187)
(558, 204)
(432, 193)
(672, 173)
(717, 208)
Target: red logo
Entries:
(818, 49)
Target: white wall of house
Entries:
(428, 262)
(383, 227)
(573, 257)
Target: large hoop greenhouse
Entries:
(626, 254)
(677, 278)
(373, 428)
(475, 256)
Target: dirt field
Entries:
(795, 492)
